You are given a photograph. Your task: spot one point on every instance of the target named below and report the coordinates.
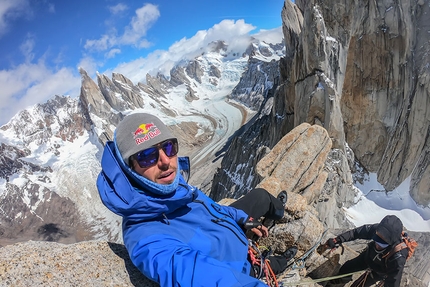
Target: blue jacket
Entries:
(182, 239)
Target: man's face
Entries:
(163, 172)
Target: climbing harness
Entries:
(258, 256)
(361, 281)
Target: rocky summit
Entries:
(348, 96)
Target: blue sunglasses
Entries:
(149, 157)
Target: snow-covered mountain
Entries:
(50, 153)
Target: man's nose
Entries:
(164, 159)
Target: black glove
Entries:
(250, 223)
(332, 243)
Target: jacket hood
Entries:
(390, 229)
(124, 195)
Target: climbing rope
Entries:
(258, 257)
(311, 281)
(300, 262)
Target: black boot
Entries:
(290, 253)
(283, 197)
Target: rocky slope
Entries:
(36, 202)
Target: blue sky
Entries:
(43, 42)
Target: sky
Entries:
(44, 42)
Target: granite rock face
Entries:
(255, 83)
(90, 263)
(360, 69)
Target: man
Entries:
(385, 236)
(174, 233)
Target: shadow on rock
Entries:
(136, 277)
(51, 232)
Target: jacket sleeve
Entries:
(363, 232)
(170, 262)
(238, 215)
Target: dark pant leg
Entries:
(278, 263)
(259, 202)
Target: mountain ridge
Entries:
(54, 149)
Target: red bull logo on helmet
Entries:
(148, 131)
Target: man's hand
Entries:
(332, 243)
(261, 231)
(256, 227)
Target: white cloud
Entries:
(234, 33)
(102, 44)
(29, 84)
(140, 23)
(270, 36)
(112, 53)
(26, 48)
(144, 44)
(51, 8)
(11, 9)
(118, 8)
(89, 65)
(134, 33)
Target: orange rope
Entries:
(252, 253)
(270, 275)
(268, 272)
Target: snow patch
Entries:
(373, 203)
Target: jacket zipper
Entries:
(218, 219)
